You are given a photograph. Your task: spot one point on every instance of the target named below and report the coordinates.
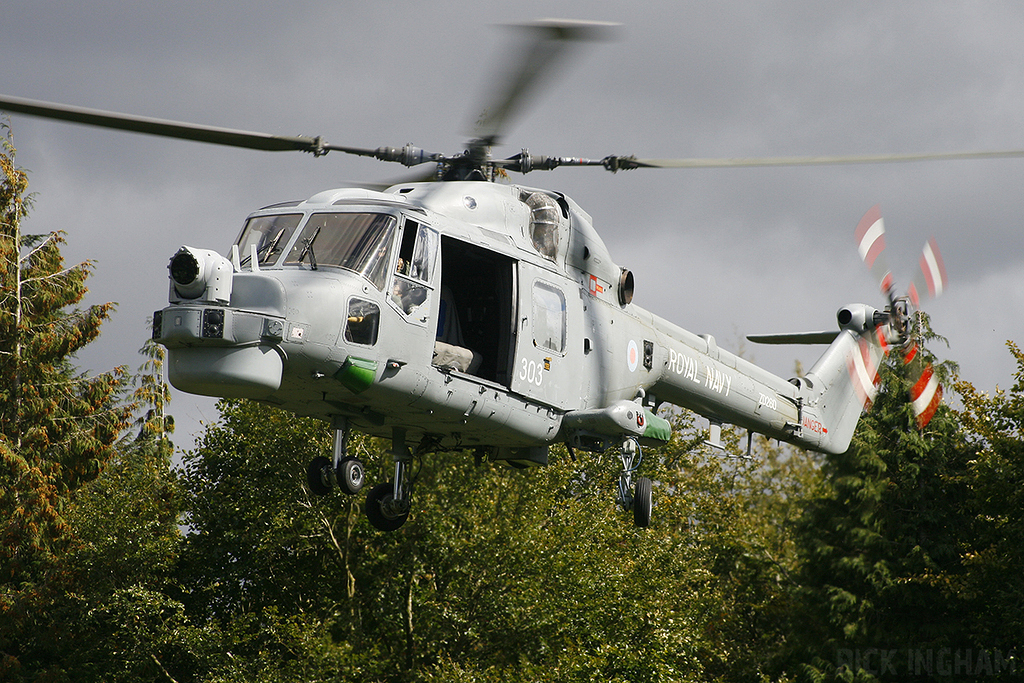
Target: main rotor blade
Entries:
(823, 337)
(547, 43)
(627, 163)
(173, 129)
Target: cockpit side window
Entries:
(418, 252)
(417, 258)
(360, 242)
(269, 234)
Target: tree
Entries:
(890, 520)
(126, 620)
(57, 427)
(499, 574)
(264, 561)
(993, 560)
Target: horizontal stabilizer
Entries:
(824, 337)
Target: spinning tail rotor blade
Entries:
(931, 280)
(925, 396)
(870, 235)
(926, 392)
(863, 368)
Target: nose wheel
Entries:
(642, 503)
(344, 470)
(318, 476)
(350, 475)
(384, 511)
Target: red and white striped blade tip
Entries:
(926, 395)
(871, 235)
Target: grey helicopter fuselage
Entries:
(471, 315)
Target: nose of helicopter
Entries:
(215, 347)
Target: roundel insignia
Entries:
(640, 419)
(632, 356)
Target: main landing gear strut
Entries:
(635, 496)
(387, 504)
(345, 470)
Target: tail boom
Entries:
(818, 411)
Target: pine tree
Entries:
(994, 559)
(891, 520)
(57, 427)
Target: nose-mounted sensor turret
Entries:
(199, 274)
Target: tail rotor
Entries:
(902, 314)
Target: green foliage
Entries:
(895, 556)
(57, 427)
(61, 422)
(498, 574)
(105, 606)
(994, 559)
(250, 520)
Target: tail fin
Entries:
(840, 386)
(848, 376)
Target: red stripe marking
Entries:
(882, 341)
(866, 393)
(914, 297)
(921, 383)
(929, 412)
(886, 283)
(911, 353)
(936, 278)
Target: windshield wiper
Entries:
(268, 248)
(307, 248)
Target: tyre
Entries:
(376, 502)
(642, 503)
(350, 475)
(318, 475)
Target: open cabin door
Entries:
(476, 312)
(547, 365)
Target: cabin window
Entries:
(269, 234)
(363, 321)
(360, 242)
(548, 317)
(408, 295)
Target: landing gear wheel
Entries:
(350, 475)
(318, 475)
(380, 510)
(642, 503)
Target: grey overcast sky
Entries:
(725, 251)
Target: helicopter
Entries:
(460, 310)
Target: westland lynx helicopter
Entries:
(463, 313)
